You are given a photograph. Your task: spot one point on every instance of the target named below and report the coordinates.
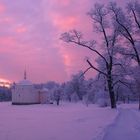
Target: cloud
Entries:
(2, 8)
(29, 37)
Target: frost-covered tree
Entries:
(50, 85)
(74, 97)
(88, 98)
(128, 23)
(56, 94)
(5, 94)
(123, 21)
(74, 89)
(78, 84)
(106, 51)
(133, 8)
(67, 91)
(136, 81)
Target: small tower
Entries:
(25, 75)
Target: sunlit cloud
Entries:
(5, 83)
(30, 37)
(2, 8)
(63, 23)
(21, 29)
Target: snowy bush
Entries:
(101, 98)
(102, 102)
(74, 97)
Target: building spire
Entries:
(25, 75)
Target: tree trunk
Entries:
(57, 101)
(117, 94)
(111, 92)
(128, 99)
(139, 101)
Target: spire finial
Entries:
(25, 75)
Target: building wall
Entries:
(43, 98)
(25, 94)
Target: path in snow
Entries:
(125, 127)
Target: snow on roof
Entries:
(45, 89)
(25, 82)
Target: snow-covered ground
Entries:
(51, 122)
(126, 126)
(69, 121)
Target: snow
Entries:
(69, 121)
(45, 89)
(126, 126)
(25, 82)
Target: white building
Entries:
(24, 92)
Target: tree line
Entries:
(90, 91)
(5, 94)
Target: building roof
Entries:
(25, 82)
(45, 89)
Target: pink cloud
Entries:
(2, 8)
(29, 37)
(7, 44)
(63, 2)
(21, 29)
(63, 23)
(7, 20)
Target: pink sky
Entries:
(29, 38)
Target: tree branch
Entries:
(118, 64)
(85, 71)
(86, 46)
(96, 68)
(130, 38)
(135, 17)
(122, 82)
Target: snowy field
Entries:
(49, 122)
(68, 122)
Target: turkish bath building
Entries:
(25, 93)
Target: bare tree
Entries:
(128, 24)
(106, 54)
(125, 29)
(133, 8)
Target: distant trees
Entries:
(78, 85)
(93, 90)
(75, 89)
(50, 85)
(79, 89)
(5, 94)
(136, 81)
(118, 31)
(56, 94)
